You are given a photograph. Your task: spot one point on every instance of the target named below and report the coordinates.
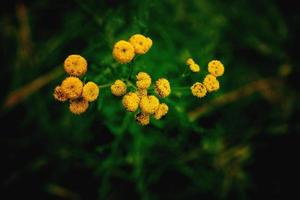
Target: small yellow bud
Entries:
(140, 43)
(123, 52)
(90, 91)
(143, 80)
(190, 61)
(75, 65)
(149, 104)
(162, 87)
(211, 83)
(161, 111)
(59, 95)
(78, 106)
(143, 119)
(216, 68)
(72, 87)
(198, 90)
(119, 88)
(131, 101)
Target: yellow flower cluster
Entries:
(194, 67)
(124, 51)
(140, 101)
(210, 82)
(73, 89)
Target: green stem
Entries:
(104, 85)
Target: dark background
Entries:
(244, 145)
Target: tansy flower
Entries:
(198, 90)
(119, 88)
(142, 92)
(190, 61)
(123, 52)
(75, 65)
(131, 101)
(78, 106)
(216, 68)
(162, 87)
(194, 67)
(161, 111)
(143, 119)
(59, 95)
(211, 83)
(149, 104)
(72, 87)
(140, 43)
(90, 91)
(143, 80)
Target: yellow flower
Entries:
(140, 43)
(75, 65)
(161, 111)
(143, 80)
(59, 95)
(195, 67)
(149, 104)
(143, 119)
(119, 88)
(142, 92)
(90, 91)
(190, 61)
(72, 87)
(131, 101)
(198, 90)
(216, 68)
(162, 87)
(78, 106)
(211, 83)
(123, 52)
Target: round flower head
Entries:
(142, 92)
(216, 68)
(140, 43)
(211, 83)
(195, 67)
(90, 91)
(119, 88)
(75, 65)
(143, 119)
(123, 52)
(161, 111)
(198, 90)
(78, 106)
(59, 95)
(72, 87)
(162, 87)
(131, 101)
(190, 61)
(143, 80)
(149, 104)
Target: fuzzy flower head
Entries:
(198, 90)
(162, 87)
(216, 68)
(143, 119)
(90, 91)
(149, 104)
(211, 83)
(78, 106)
(143, 80)
(131, 101)
(75, 65)
(119, 88)
(161, 111)
(59, 95)
(72, 87)
(123, 52)
(140, 43)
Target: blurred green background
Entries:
(241, 142)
